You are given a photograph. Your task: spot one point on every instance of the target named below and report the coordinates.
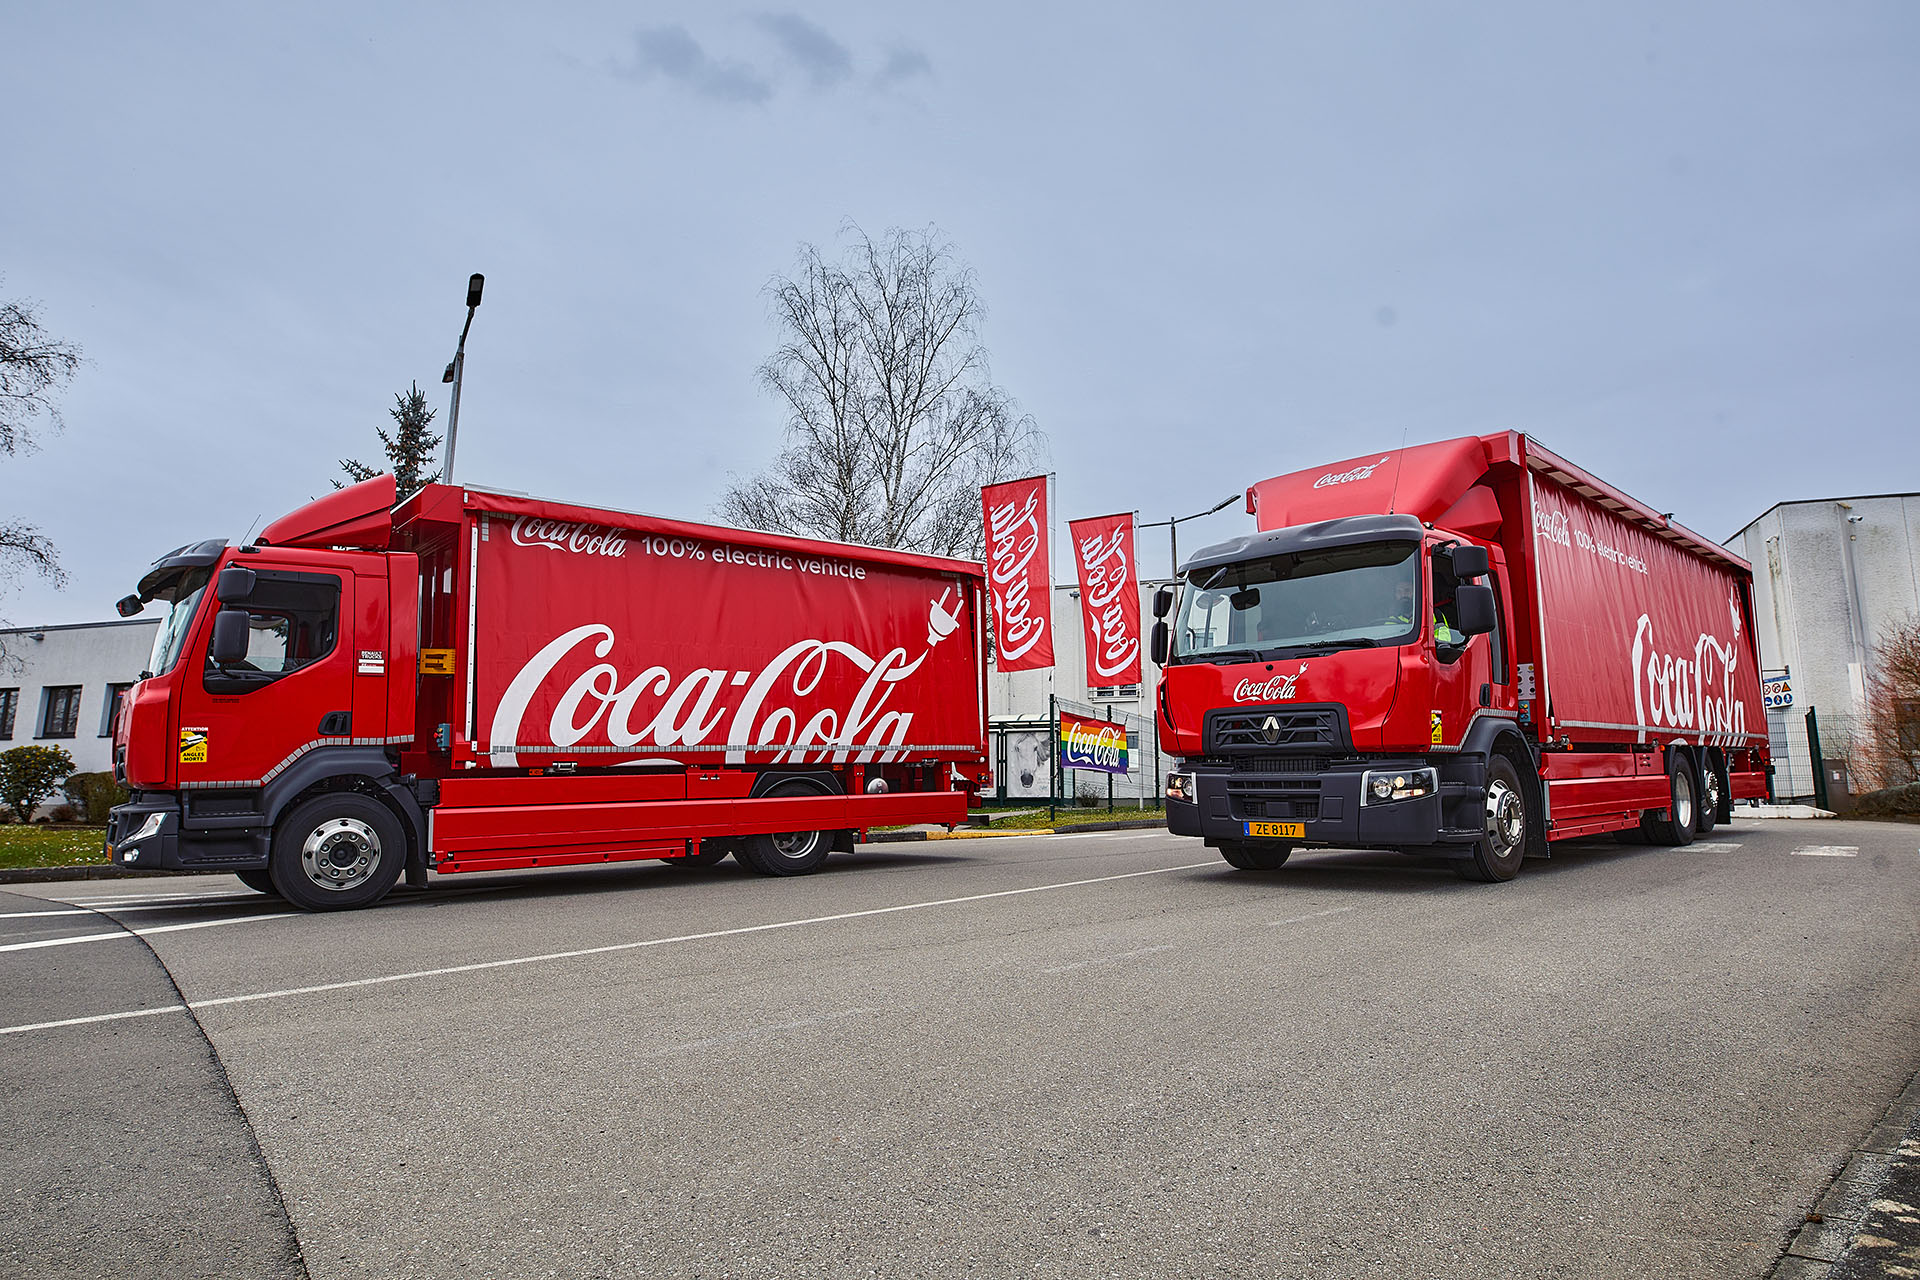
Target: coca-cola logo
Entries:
(1013, 539)
(1688, 691)
(1347, 477)
(1094, 745)
(1108, 577)
(1552, 526)
(781, 707)
(569, 535)
(1277, 689)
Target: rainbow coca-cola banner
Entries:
(1086, 743)
(1109, 600)
(1019, 574)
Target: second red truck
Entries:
(1471, 648)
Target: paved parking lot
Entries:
(1051, 1056)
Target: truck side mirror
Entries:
(1469, 562)
(229, 644)
(1473, 603)
(1162, 602)
(1158, 645)
(127, 606)
(234, 585)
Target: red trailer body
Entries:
(480, 681)
(1470, 648)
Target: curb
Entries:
(1839, 1216)
(962, 833)
(95, 871)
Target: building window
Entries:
(110, 711)
(62, 715)
(9, 703)
(1115, 692)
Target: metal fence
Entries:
(1026, 761)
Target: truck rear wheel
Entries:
(786, 853)
(711, 852)
(1498, 853)
(1674, 825)
(337, 851)
(1256, 857)
(1712, 790)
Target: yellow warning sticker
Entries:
(193, 746)
(1438, 737)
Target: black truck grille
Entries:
(1281, 764)
(1264, 729)
(1297, 798)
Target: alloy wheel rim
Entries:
(1682, 800)
(1506, 818)
(340, 854)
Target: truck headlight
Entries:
(1385, 786)
(1180, 787)
(148, 829)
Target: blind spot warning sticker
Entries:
(193, 746)
(1437, 737)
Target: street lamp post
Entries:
(474, 284)
(1173, 528)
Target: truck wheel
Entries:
(336, 852)
(1498, 853)
(1712, 788)
(258, 881)
(1257, 857)
(787, 853)
(1674, 826)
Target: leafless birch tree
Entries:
(33, 366)
(893, 420)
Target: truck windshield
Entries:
(174, 627)
(1337, 598)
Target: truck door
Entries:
(1462, 669)
(239, 724)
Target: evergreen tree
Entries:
(410, 446)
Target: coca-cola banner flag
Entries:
(1109, 600)
(1019, 573)
(1086, 743)
(658, 641)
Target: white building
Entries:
(1828, 577)
(60, 686)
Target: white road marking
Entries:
(1124, 955)
(150, 906)
(1719, 844)
(98, 1017)
(608, 949)
(1311, 915)
(1828, 851)
(1110, 835)
(141, 933)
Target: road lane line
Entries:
(141, 933)
(1311, 915)
(1828, 851)
(166, 906)
(1095, 835)
(98, 1017)
(614, 947)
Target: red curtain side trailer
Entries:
(478, 680)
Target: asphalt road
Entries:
(1052, 1056)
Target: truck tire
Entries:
(1500, 850)
(337, 851)
(1713, 790)
(1674, 824)
(786, 853)
(259, 881)
(1256, 857)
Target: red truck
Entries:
(1471, 648)
(476, 680)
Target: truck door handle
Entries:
(336, 724)
(1486, 695)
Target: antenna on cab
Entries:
(1399, 462)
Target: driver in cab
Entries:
(1403, 613)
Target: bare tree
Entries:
(33, 368)
(410, 447)
(1887, 754)
(893, 420)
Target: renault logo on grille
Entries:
(1270, 729)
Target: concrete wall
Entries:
(93, 656)
(1828, 577)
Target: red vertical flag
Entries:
(1109, 598)
(1019, 573)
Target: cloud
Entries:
(824, 60)
(669, 53)
(902, 64)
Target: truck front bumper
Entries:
(152, 831)
(1326, 804)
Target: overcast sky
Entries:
(1679, 243)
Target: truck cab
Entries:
(1337, 683)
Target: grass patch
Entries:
(1064, 818)
(42, 846)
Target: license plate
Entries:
(1278, 830)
